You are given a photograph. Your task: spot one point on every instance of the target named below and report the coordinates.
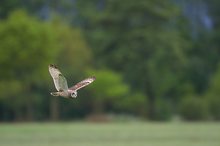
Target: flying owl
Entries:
(61, 83)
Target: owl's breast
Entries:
(65, 94)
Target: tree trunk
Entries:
(29, 114)
(54, 109)
(18, 115)
(98, 107)
(29, 110)
(151, 101)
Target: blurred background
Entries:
(153, 60)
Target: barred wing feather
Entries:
(58, 79)
(82, 84)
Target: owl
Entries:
(61, 83)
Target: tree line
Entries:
(143, 54)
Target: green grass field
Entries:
(110, 134)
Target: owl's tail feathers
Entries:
(55, 93)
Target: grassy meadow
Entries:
(110, 134)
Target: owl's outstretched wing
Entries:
(83, 83)
(58, 79)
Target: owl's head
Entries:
(73, 94)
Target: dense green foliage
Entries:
(106, 89)
(147, 59)
(27, 46)
(212, 96)
(137, 40)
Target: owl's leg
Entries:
(55, 93)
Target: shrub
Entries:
(163, 110)
(214, 107)
(193, 109)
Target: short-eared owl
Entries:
(61, 83)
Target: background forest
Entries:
(153, 60)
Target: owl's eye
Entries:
(74, 94)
